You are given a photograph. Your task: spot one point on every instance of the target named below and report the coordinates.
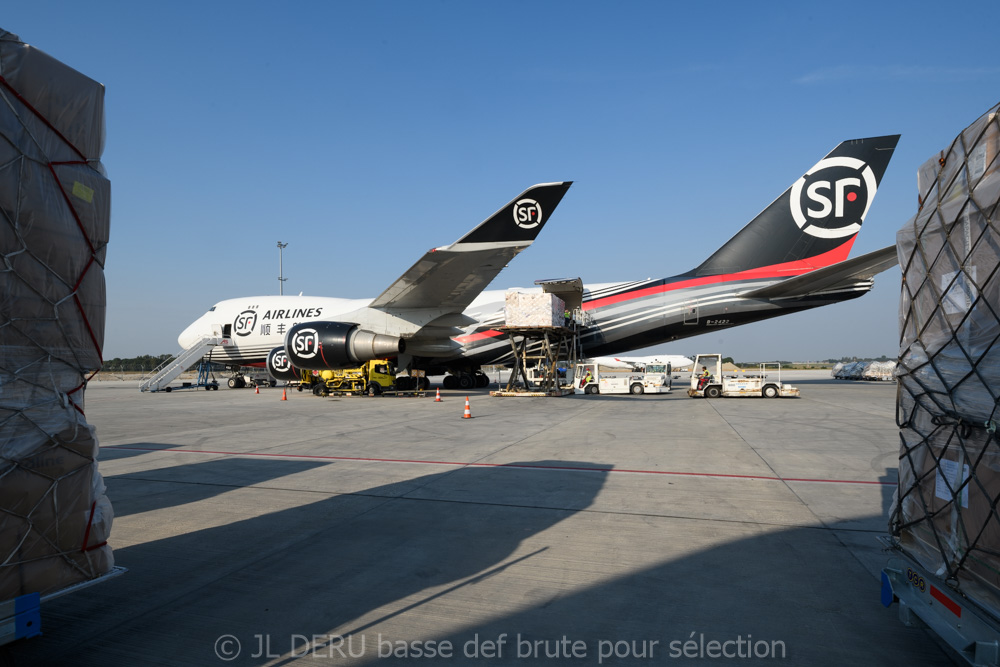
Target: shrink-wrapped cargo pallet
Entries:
(533, 310)
(945, 514)
(55, 205)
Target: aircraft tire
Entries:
(450, 382)
(466, 381)
(482, 380)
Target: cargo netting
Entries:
(55, 209)
(945, 514)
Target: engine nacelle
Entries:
(316, 346)
(279, 366)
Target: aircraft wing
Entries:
(841, 274)
(452, 276)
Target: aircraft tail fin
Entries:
(815, 221)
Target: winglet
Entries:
(451, 276)
(520, 221)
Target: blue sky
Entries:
(362, 134)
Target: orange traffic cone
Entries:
(284, 394)
(438, 398)
(468, 411)
(256, 389)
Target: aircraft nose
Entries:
(191, 335)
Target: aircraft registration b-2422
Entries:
(436, 317)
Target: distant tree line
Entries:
(143, 363)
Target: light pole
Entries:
(281, 278)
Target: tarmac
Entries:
(586, 530)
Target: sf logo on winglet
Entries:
(527, 213)
(305, 343)
(244, 323)
(838, 192)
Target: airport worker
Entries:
(566, 316)
(705, 376)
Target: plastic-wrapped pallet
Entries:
(879, 370)
(533, 310)
(55, 203)
(949, 367)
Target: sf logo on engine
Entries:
(244, 323)
(832, 199)
(280, 362)
(527, 213)
(305, 343)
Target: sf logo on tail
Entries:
(838, 192)
(527, 213)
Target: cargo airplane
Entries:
(436, 317)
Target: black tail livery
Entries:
(817, 219)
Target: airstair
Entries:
(170, 369)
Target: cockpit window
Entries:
(211, 309)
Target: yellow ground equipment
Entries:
(374, 378)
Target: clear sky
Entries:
(364, 133)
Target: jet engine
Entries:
(279, 366)
(318, 346)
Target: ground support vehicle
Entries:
(205, 379)
(250, 377)
(591, 378)
(765, 383)
(374, 378)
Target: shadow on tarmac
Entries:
(360, 562)
(304, 569)
(135, 493)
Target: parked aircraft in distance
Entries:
(436, 317)
(675, 361)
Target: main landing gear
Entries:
(476, 380)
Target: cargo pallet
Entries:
(21, 618)
(927, 601)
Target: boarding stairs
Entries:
(170, 369)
